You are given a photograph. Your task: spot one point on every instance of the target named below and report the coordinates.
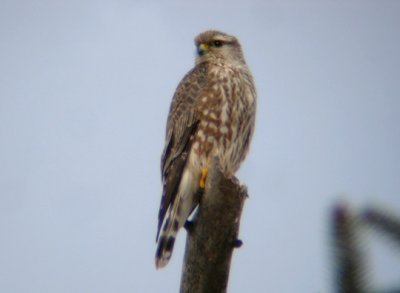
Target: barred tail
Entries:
(166, 242)
(185, 201)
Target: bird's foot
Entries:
(204, 172)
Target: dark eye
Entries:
(217, 43)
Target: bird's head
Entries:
(217, 46)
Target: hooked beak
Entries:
(202, 48)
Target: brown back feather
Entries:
(181, 125)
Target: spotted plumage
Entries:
(212, 114)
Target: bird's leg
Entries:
(203, 177)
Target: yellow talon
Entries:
(204, 172)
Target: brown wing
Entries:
(181, 125)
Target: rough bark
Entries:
(212, 235)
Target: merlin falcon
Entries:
(212, 115)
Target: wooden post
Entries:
(212, 236)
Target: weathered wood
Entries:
(213, 236)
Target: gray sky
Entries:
(85, 88)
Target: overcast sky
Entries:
(85, 88)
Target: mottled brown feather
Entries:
(212, 114)
(181, 125)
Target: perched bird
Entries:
(212, 114)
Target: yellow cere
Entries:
(203, 46)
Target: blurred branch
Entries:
(350, 272)
(213, 235)
(385, 223)
(348, 268)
